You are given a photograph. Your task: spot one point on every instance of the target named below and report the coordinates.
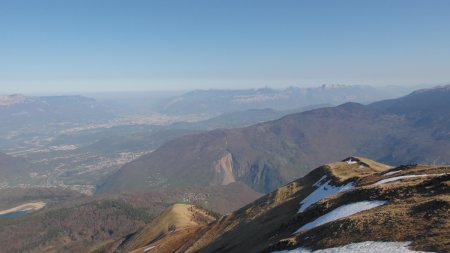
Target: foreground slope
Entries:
(59, 220)
(74, 225)
(171, 231)
(356, 203)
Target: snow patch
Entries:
(323, 191)
(341, 212)
(361, 247)
(149, 248)
(387, 180)
(392, 172)
(350, 161)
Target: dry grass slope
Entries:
(169, 231)
(416, 202)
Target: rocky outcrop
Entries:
(223, 170)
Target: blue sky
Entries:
(93, 45)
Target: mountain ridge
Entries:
(269, 154)
(22, 109)
(216, 101)
(382, 203)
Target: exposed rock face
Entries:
(223, 170)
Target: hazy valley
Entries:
(107, 180)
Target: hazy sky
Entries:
(66, 46)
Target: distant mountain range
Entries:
(355, 205)
(410, 129)
(20, 109)
(223, 101)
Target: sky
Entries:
(109, 45)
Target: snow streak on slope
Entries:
(392, 172)
(323, 191)
(341, 212)
(387, 180)
(361, 247)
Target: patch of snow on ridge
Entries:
(323, 191)
(149, 248)
(351, 161)
(361, 247)
(341, 212)
(392, 172)
(387, 180)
